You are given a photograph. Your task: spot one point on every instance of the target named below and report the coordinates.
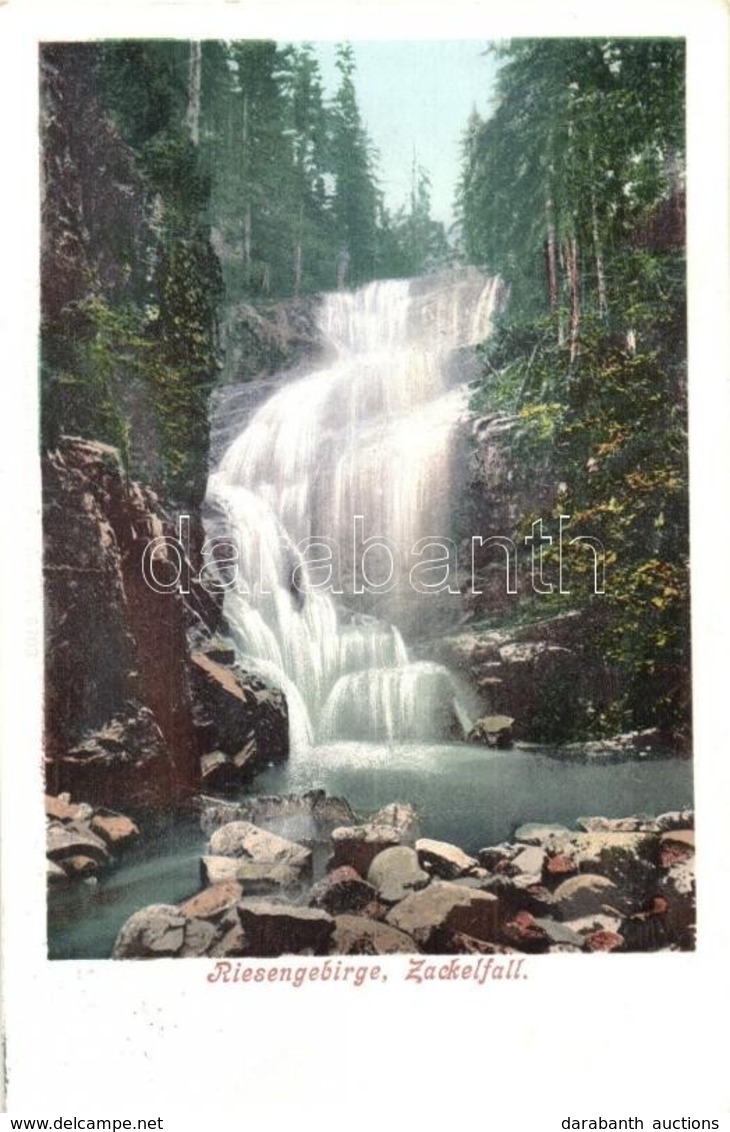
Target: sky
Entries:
(417, 94)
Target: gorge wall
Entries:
(143, 704)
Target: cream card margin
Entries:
(633, 1035)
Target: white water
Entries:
(367, 435)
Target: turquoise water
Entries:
(465, 794)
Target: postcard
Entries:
(362, 632)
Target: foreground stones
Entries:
(81, 841)
(614, 885)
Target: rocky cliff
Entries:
(131, 717)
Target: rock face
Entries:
(239, 716)
(118, 706)
(267, 338)
(81, 841)
(123, 725)
(539, 675)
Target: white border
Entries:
(617, 1036)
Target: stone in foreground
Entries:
(154, 932)
(395, 873)
(359, 845)
(444, 860)
(357, 935)
(433, 915)
(243, 840)
(342, 891)
(285, 929)
(254, 876)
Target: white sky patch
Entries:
(417, 96)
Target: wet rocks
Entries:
(279, 929)
(237, 716)
(153, 932)
(306, 818)
(492, 730)
(243, 839)
(583, 895)
(357, 935)
(258, 876)
(444, 860)
(395, 873)
(618, 885)
(359, 845)
(81, 841)
(262, 861)
(434, 914)
(343, 891)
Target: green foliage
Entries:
(573, 190)
(86, 360)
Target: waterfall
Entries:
(325, 494)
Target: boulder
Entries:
(639, 823)
(217, 771)
(558, 866)
(238, 713)
(242, 839)
(60, 808)
(529, 861)
(677, 887)
(524, 933)
(628, 859)
(212, 902)
(285, 929)
(115, 829)
(675, 847)
(604, 941)
(231, 944)
(253, 876)
(560, 933)
(199, 937)
(597, 922)
(299, 817)
(357, 935)
(395, 873)
(432, 915)
(359, 845)
(152, 933)
(80, 866)
(583, 895)
(676, 819)
(444, 860)
(492, 730)
(342, 891)
(401, 817)
(71, 840)
(538, 833)
(520, 894)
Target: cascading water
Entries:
(327, 494)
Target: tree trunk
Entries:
(247, 219)
(298, 254)
(597, 247)
(194, 77)
(571, 260)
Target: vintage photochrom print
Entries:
(365, 503)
